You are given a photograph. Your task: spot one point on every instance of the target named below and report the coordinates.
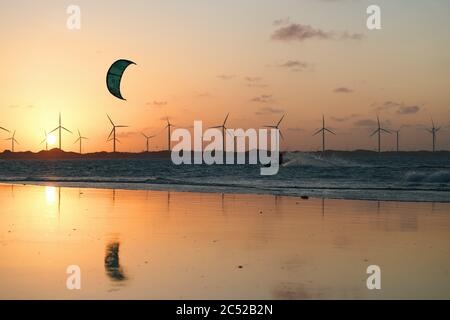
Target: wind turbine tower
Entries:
(13, 141)
(112, 135)
(147, 138)
(45, 140)
(433, 132)
(80, 139)
(224, 129)
(168, 127)
(60, 128)
(379, 131)
(277, 127)
(323, 130)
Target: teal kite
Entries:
(114, 76)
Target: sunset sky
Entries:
(200, 59)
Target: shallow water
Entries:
(170, 245)
(339, 175)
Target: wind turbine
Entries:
(224, 129)
(379, 131)
(433, 131)
(113, 133)
(323, 130)
(80, 139)
(397, 134)
(60, 128)
(168, 127)
(45, 140)
(277, 127)
(13, 140)
(148, 138)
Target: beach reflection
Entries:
(112, 262)
(217, 246)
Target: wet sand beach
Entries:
(175, 245)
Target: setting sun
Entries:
(51, 140)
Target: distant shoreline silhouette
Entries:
(56, 154)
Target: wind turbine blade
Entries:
(16, 141)
(122, 126)
(43, 141)
(111, 133)
(4, 129)
(228, 132)
(76, 140)
(110, 119)
(330, 131)
(317, 132)
(375, 132)
(217, 127)
(79, 134)
(53, 130)
(272, 127)
(279, 122)
(67, 130)
(385, 130)
(226, 118)
(281, 135)
(437, 129)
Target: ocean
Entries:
(415, 176)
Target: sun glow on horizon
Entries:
(51, 140)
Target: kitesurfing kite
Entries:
(114, 77)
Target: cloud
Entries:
(408, 109)
(226, 76)
(16, 106)
(157, 103)
(269, 110)
(301, 32)
(253, 79)
(295, 65)
(343, 90)
(366, 123)
(203, 94)
(255, 82)
(264, 98)
(343, 119)
(399, 107)
(281, 22)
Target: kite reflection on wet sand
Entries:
(112, 262)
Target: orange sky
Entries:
(198, 61)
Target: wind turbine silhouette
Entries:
(433, 131)
(45, 140)
(1, 128)
(80, 139)
(147, 139)
(397, 134)
(224, 129)
(277, 127)
(323, 130)
(60, 128)
(379, 130)
(113, 133)
(13, 140)
(168, 127)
